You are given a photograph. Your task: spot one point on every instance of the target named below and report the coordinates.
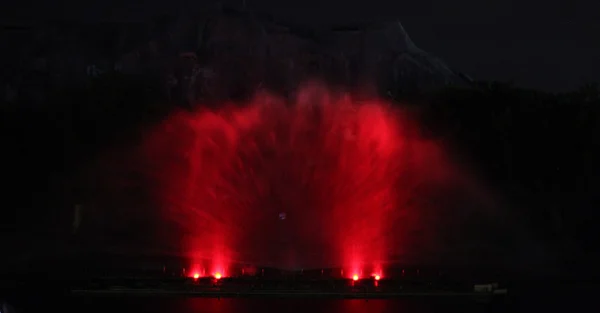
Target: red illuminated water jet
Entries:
(324, 180)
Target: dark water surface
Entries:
(530, 297)
(236, 305)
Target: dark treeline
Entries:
(539, 149)
(48, 143)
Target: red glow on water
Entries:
(324, 180)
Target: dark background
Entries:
(537, 148)
(550, 45)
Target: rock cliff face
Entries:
(229, 53)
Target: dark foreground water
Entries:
(534, 297)
(531, 297)
(237, 305)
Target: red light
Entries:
(196, 275)
(377, 277)
(217, 275)
(370, 138)
(355, 277)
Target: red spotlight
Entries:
(377, 277)
(218, 275)
(196, 276)
(355, 277)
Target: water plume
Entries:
(321, 180)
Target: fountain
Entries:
(321, 181)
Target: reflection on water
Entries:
(238, 305)
(423, 305)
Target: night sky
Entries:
(551, 45)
